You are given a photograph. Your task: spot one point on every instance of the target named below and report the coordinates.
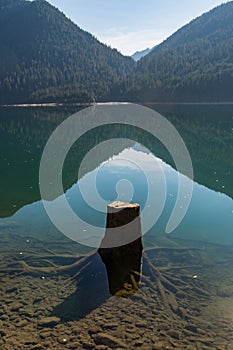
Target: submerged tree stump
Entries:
(126, 266)
(123, 225)
(121, 248)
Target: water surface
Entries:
(196, 257)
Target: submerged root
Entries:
(168, 287)
(165, 289)
(169, 290)
(24, 267)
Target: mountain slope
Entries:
(45, 57)
(194, 64)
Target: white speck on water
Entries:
(84, 230)
(43, 278)
(195, 276)
(14, 206)
(20, 253)
(27, 240)
(223, 186)
(217, 180)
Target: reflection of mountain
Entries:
(24, 133)
(206, 130)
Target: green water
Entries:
(26, 230)
(207, 131)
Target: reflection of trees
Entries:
(24, 133)
(206, 130)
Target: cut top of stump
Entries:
(122, 205)
(123, 224)
(116, 206)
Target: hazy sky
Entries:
(131, 25)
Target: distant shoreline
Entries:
(83, 104)
(189, 103)
(52, 104)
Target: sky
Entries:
(133, 25)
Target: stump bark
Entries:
(121, 248)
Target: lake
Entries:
(179, 295)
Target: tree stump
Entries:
(121, 248)
(121, 253)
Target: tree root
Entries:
(23, 267)
(170, 288)
(167, 287)
(169, 249)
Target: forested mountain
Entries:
(194, 64)
(45, 57)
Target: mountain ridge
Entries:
(139, 54)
